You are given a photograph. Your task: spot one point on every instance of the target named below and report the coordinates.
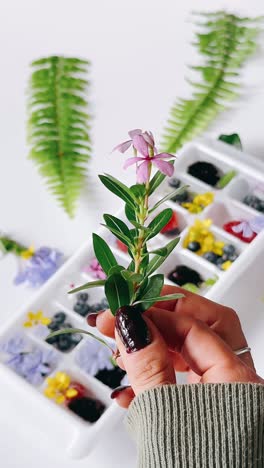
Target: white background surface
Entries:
(139, 50)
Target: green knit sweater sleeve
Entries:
(199, 425)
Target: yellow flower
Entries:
(199, 202)
(198, 232)
(226, 265)
(204, 199)
(26, 254)
(36, 319)
(58, 388)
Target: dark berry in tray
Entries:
(111, 377)
(205, 171)
(254, 202)
(87, 408)
(183, 274)
(64, 342)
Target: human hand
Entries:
(191, 334)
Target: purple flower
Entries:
(94, 356)
(248, 228)
(147, 136)
(144, 144)
(40, 267)
(31, 363)
(95, 269)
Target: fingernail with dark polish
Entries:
(132, 329)
(91, 319)
(118, 390)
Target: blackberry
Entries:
(183, 274)
(205, 171)
(111, 377)
(87, 408)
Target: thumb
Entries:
(143, 351)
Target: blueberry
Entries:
(174, 182)
(59, 317)
(211, 257)
(84, 310)
(219, 261)
(75, 338)
(183, 274)
(82, 297)
(181, 197)
(53, 340)
(64, 342)
(233, 257)
(54, 326)
(229, 249)
(78, 307)
(96, 307)
(87, 408)
(204, 171)
(194, 246)
(66, 325)
(261, 206)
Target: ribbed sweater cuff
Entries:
(199, 425)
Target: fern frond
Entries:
(225, 42)
(58, 129)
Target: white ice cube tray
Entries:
(63, 427)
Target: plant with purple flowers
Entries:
(38, 265)
(135, 287)
(31, 363)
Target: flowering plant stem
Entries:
(135, 286)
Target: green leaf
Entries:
(159, 222)
(158, 260)
(211, 281)
(118, 234)
(78, 330)
(134, 277)
(117, 224)
(58, 126)
(169, 197)
(191, 287)
(91, 284)
(224, 43)
(117, 292)
(225, 179)
(103, 253)
(162, 251)
(116, 269)
(139, 190)
(130, 212)
(152, 289)
(119, 189)
(152, 300)
(233, 139)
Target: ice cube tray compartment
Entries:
(76, 435)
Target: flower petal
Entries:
(122, 147)
(131, 161)
(257, 224)
(142, 172)
(140, 145)
(164, 167)
(238, 227)
(137, 131)
(148, 137)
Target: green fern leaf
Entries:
(58, 129)
(225, 42)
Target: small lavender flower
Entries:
(93, 357)
(40, 267)
(31, 363)
(248, 228)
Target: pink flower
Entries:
(144, 144)
(144, 162)
(248, 228)
(147, 136)
(95, 269)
